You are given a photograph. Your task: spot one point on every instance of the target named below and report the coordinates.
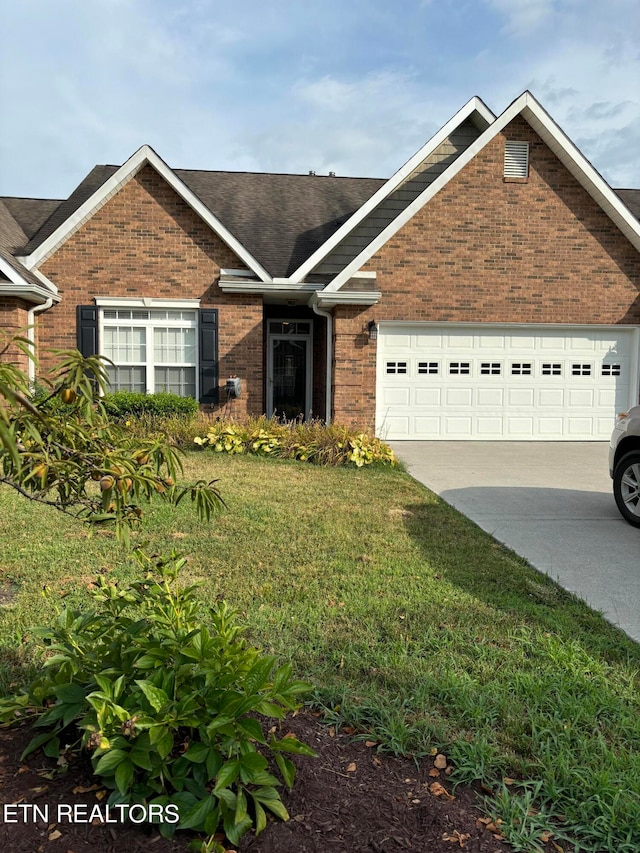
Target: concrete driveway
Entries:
(551, 502)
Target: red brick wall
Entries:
(14, 319)
(146, 241)
(486, 250)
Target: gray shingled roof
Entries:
(12, 237)
(30, 213)
(632, 199)
(280, 219)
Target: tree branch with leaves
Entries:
(61, 449)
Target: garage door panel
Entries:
(580, 398)
(396, 397)
(581, 427)
(503, 383)
(490, 397)
(519, 427)
(551, 397)
(458, 425)
(550, 426)
(490, 427)
(430, 427)
(520, 397)
(428, 396)
(458, 396)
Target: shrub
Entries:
(309, 441)
(164, 697)
(122, 404)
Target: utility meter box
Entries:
(234, 388)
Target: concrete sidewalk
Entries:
(551, 502)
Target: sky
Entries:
(350, 86)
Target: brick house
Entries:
(489, 289)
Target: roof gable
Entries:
(534, 114)
(79, 208)
(475, 111)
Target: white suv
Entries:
(624, 464)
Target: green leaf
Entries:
(197, 752)
(36, 742)
(164, 744)
(261, 817)
(251, 728)
(213, 764)
(157, 698)
(270, 800)
(241, 806)
(269, 709)
(141, 758)
(227, 775)
(52, 748)
(72, 694)
(109, 761)
(253, 761)
(287, 768)
(234, 831)
(291, 744)
(195, 818)
(124, 776)
(259, 675)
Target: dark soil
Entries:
(350, 798)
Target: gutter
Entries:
(31, 334)
(313, 302)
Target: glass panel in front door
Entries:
(289, 378)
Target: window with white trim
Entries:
(396, 367)
(430, 367)
(152, 349)
(611, 369)
(581, 370)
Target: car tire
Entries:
(626, 487)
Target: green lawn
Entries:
(411, 623)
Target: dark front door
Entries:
(289, 379)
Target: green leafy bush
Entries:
(310, 441)
(165, 698)
(123, 404)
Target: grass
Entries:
(412, 624)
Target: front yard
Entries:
(413, 625)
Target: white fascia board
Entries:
(564, 149)
(581, 169)
(346, 297)
(143, 156)
(144, 302)
(282, 286)
(19, 286)
(475, 105)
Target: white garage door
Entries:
(503, 383)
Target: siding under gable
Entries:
(414, 184)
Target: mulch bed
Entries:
(350, 798)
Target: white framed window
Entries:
(153, 348)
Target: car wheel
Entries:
(626, 487)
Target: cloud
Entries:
(523, 16)
(354, 87)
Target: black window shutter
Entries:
(87, 329)
(208, 321)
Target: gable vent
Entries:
(516, 159)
